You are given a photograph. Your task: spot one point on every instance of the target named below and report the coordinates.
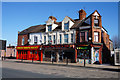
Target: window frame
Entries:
(23, 41)
(95, 37)
(66, 38)
(96, 24)
(72, 38)
(60, 38)
(49, 28)
(66, 25)
(81, 37)
(35, 39)
(54, 39)
(44, 39)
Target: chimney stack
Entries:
(82, 14)
(53, 18)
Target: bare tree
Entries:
(116, 42)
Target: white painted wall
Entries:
(31, 37)
(65, 20)
(56, 33)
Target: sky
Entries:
(17, 16)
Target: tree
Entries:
(116, 42)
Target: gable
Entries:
(87, 21)
(96, 14)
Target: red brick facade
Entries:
(25, 36)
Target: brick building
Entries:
(74, 39)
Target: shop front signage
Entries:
(27, 47)
(82, 48)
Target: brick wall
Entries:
(96, 29)
(20, 39)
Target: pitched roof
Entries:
(71, 19)
(31, 29)
(41, 28)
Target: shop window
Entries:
(96, 22)
(30, 52)
(54, 39)
(23, 41)
(35, 52)
(65, 38)
(96, 36)
(81, 53)
(49, 27)
(60, 38)
(66, 26)
(117, 57)
(71, 38)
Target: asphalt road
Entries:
(12, 73)
(29, 70)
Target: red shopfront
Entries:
(29, 53)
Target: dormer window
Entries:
(49, 27)
(96, 22)
(66, 26)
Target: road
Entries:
(29, 70)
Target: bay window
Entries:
(35, 39)
(60, 38)
(44, 39)
(54, 39)
(71, 38)
(65, 38)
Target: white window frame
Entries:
(23, 40)
(96, 36)
(66, 38)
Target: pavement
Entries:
(12, 68)
(99, 66)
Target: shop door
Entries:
(96, 55)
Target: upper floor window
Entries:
(65, 38)
(66, 26)
(96, 36)
(35, 39)
(44, 39)
(60, 38)
(71, 37)
(96, 22)
(49, 27)
(49, 39)
(23, 41)
(54, 39)
(82, 36)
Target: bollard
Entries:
(66, 61)
(2, 58)
(22, 59)
(32, 60)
